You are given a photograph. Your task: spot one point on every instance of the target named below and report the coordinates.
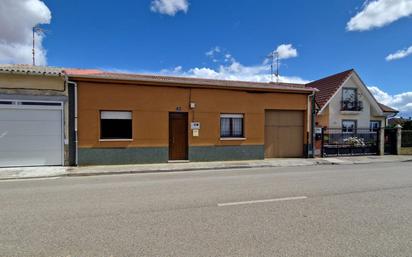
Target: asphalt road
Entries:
(345, 210)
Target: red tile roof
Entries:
(75, 71)
(328, 86)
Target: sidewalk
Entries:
(42, 172)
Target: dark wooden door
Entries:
(178, 136)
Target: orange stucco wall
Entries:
(151, 106)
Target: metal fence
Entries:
(406, 138)
(338, 142)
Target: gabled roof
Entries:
(31, 70)
(328, 86)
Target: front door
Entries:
(178, 136)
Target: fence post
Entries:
(398, 139)
(381, 141)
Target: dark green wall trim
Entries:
(142, 155)
(72, 135)
(309, 153)
(226, 153)
(117, 156)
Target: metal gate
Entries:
(337, 142)
(390, 141)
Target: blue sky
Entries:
(319, 38)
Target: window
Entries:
(350, 100)
(348, 126)
(115, 125)
(349, 94)
(374, 125)
(231, 126)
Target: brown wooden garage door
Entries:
(283, 134)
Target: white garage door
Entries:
(30, 134)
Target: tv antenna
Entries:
(38, 30)
(274, 67)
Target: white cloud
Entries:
(169, 7)
(378, 13)
(226, 68)
(399, 54)
(401, 102)
(286, 51)
(219, 55)
(17, 18)
(232, 71)
(213, 51)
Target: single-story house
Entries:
(34, 116)
(131, 118)
(56, 116)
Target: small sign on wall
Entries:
(195, 132)
(195, 125)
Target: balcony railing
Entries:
(354, 106)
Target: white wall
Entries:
(363, 117)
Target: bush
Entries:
(354, 141)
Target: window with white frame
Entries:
(116, 125)
(374, 125)
(349, 126)
(231, 126)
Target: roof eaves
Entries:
(387, 109)
(31, 70)
(199, 82)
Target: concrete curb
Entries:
(81, 174)
(71, 172)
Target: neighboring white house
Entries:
(345, 102)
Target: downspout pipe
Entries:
(313, 123)
(311, 146)
(76, 139)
